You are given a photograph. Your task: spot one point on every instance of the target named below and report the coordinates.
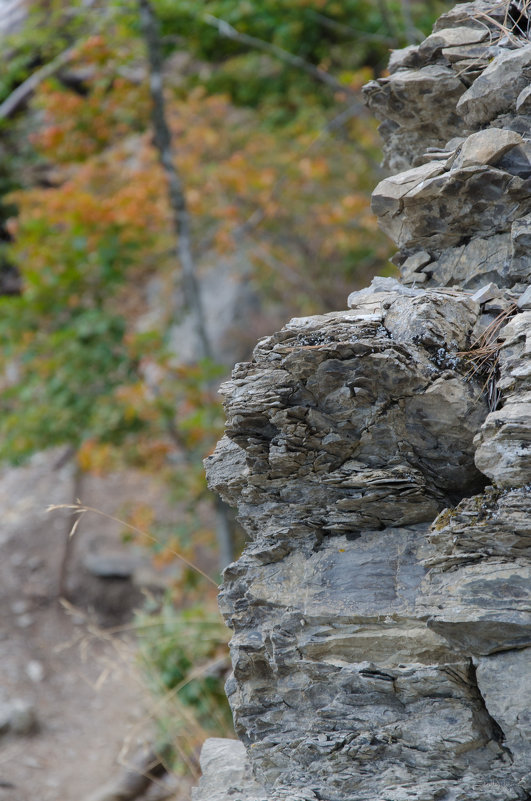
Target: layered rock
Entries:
(457, 113)
(379, 461)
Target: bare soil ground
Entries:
(81, 683)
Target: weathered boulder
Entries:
(344, 435)
(226, 772)
(353, 419)
(497, 88)
(379, 461)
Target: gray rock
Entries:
(521, 248)
(509, 701)
(497, 88)
(414, 278)
(405, 57)
(372, 296)
(415, 263)
(480, 552)
(483, 259)
(381, 641)
(405, 101)
(18, 716)
(320, 421)
(226, 773)
(487, 147)
(487, 292)
(480, 14)
(467, 60)
(458, 200)
(524, 301)
(450, 38)
(517, 160)
(428, 208)
(503, 445)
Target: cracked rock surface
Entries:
(379, 461)
(457, 134)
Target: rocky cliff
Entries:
(379, 458)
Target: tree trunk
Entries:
(181, 224)
(181, 217)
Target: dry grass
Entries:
(168, 732)
(171, 723)
(483, 356)
(516, 23)
(80, 509)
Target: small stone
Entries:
(110, 564)
(22, 718)
(449, 38)
(517, 161)
(524, 301)
(495, 306)
(487, 147)
(20, 606)
(24, 621)
(416, 262)
(487, 292)
(454, 143)
(415, 278)
(35, 670)
(475, 56)
(405, 57)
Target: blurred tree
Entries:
(274, 159)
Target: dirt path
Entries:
(57, 664)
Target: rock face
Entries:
(379, 461)
(457, 122)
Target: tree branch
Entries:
(348, 31)
(226, 30)
(181, 221)
(163, 143)
(22, 92)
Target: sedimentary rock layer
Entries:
(379, 461)
(353, 652)
(457, 127)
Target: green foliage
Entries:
(49, 28)
(77, 364)
(341, 37)
(64, 353)
(183, 654)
